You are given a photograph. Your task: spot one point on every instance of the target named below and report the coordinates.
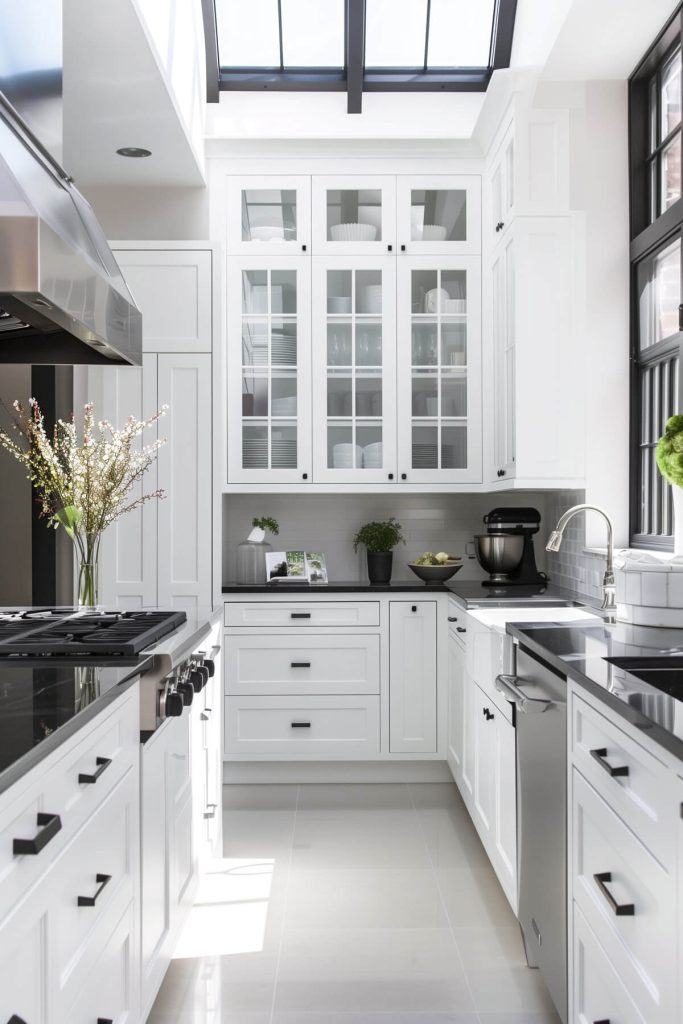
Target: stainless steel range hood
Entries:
(62, 296)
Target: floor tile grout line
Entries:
(285, 905)
(443, 903)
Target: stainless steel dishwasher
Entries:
(539, 695)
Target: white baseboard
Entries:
(295, 772)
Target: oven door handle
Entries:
(507, 685)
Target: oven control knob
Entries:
(197, 679)
(186, 691)
(173, 706)
(210, 664)
(206, 675)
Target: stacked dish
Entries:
(284, 406)
(372, 456)
(283, 453)
(433, 233)
(255, 453)
(346, 456)
(338, 304)
(353, 232)
(425, 456)
(370, 299)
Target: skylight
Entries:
(358, 45)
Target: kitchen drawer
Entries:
(99, 864)
(53, 788)
(321, 728)
(640, 944)
(310, 613)
(110, 990)
(639, 797)
(598, 992)
(274, 665)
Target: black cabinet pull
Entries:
(303, 248)
(620, 909)
(301, 725)
(404, 476)
(452, 618)
(680, 317)
(301, 664)
(15, 1020)
(599, 755)
(104, 1020)
(300, 615)
(391, 476)
(460, 629)
(603, 1020)
(414, 608)
(500, 225)
(90, 901)
(390, 248)
(501, 472)
(210, 811)
(403, 248)
(488, 714)
(50, 825)
(102, 765)
(304, 476)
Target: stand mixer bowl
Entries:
(499, 554)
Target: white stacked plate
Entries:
(425, 456)
(254, 453)
(343, 456)
(284, 406)
(283, 350)
(353, 232)
(372, 456)
(283, 453)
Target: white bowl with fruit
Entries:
(436, 568)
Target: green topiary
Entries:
(669, 452)
(379, 536)
(266, 523)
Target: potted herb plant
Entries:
(251, 553)
(669, 455)
(379, 539)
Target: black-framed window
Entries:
(656, 218)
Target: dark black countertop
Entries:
(338, 587)
(580, 651)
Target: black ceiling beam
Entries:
(503, 32)
(311, 80)
(472, 80)
(355, 54)
(213, 71)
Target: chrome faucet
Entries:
(608, 587)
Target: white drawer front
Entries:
(311, 613)
(641, 944)
(274, 665)
(598, 994)
(322, 728)
(110, 991)
(636, 793)
(53, 788)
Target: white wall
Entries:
(151, 213)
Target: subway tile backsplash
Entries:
(572, 567)
(431, 522)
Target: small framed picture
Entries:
(286, 567)
(316, 570)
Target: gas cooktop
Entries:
(65, 633)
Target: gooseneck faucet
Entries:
(608, 587)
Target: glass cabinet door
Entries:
(354, 214)
(268, 214)
(354, 383)
(438, 214)
(439, 365)
(269, 370)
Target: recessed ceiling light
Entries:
(133, 151)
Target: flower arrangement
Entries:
(669, 451)
(83, 486)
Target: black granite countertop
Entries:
(580, 651)
(338, 587)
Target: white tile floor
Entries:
(351, 904)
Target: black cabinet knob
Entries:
(501, 472)
(303, 248)
(104, 1020)
(390, 248)
(404, 476)
(14, 1019)
(391, 476)
(500, 225)
(304, 476)
(460, 629)
(403, 248)
(452, 618)
(414, 608)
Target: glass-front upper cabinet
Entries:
(439, 370)
(268, 364)
(354, 371)
(269, 214)
(439, 214)
(354, 214)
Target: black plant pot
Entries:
(379, 566)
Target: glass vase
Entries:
(251, 562)
(87, 585)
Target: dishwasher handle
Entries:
(507, 685)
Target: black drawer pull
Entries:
(604, 1020)
(90, 901)
(51, 825)
(300, 664)
(414, 608)
(300, 615)
(104, 1020)
(210, 811)
(620, 909)
(301, 725)
(15, 1020)
(461, 629)
(599, 755)
(102, 765)
(452, 618)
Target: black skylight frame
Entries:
(355, 78)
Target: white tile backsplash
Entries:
(328, 522)
(572, 567)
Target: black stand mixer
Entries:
(506, 552)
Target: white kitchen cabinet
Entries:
(456, 709)
(269, 369)
(503, 334)
(354, 369)
(438, 214)
(267, 214)
(439, 369)
(413, 683)
(26, 980)
(501, 184)
(354, 213)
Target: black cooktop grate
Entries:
(111, 634)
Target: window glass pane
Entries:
(460, 33)
(671, 95)
(652, 103)
(659, 291)
(395, 33)
(312, 33)
(438, 215)
(354, 215)
(268, 215)
(248, 33)
(671, 173)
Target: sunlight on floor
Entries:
(231, 909)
